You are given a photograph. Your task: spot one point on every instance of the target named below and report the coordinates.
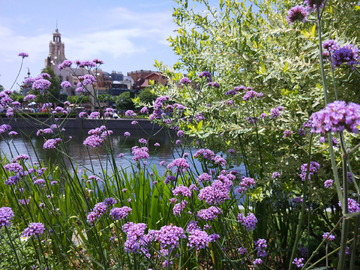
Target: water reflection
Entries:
(99, 157)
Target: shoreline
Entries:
(81, 123)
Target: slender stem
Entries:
(305, 186)
(333, 79)
(327, 257)
(321, 57)
(22, 61)
(354, 244)
(12, 246)
(323, 241)
(344, 203)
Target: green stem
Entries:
(344, 203)
(298, 230)
(354, 244)
(333, 79)
(321, 58)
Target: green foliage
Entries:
(106, 97)
(147, 96)
(16, 96)
(78, 99)
(124, 102)
(1, 87)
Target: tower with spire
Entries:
(56, 57)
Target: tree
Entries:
(1, 87)
(147, 96)
(52, 94)
(124, 102)
(78, 99)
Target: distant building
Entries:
(142, 78)
(55, 58)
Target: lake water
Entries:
(99, 157)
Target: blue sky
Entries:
(126, 35)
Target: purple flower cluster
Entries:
(348, 54)
(179, 207)
(260, 245)
(185, 81)
(205, 153)
(275, 175)
(135, 236)
(4, 128)
(207, 75)
(51, 143)
(258, 262)
(251, 94)
(169, 236)
(140, 153)
(213, 84)
(353, 206)
(65, 84)
(120, 213)
(204, 178)
(158, 108)
(328, 183)
(29, 97)
(312, 5)
(41, 85)
(287, 133)
(65, 64)
(34, 229)
(180, 163)
(336, 117)
(331, 237)
(21, 157)
(217, 193)
(130, 113)
(93, 141)
(210, 213)
(94, 115)
(297, 13)
(314, 167)
(110, 201)
(86, 63)
(275, 113)
(181, 190)
(39, 182)
(329, 47)
(235, 90)
(13, 167)
(198, 239)
(245, 183)
(6, 214)
(298, 262)
(144, 110)
(249, 221)
(127, 134)
(23, 55)
(5, 99)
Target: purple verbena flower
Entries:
(249, 221)
(120, 213)
(185, 81)
(34, 229)
(298, 262)
(353, 206)
(6, 214)
(23, 55)
(328, 183)
(330, 237)
(297, 13)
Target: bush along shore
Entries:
(271, 96)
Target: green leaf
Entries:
(286, 67)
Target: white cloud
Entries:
(121, 33)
